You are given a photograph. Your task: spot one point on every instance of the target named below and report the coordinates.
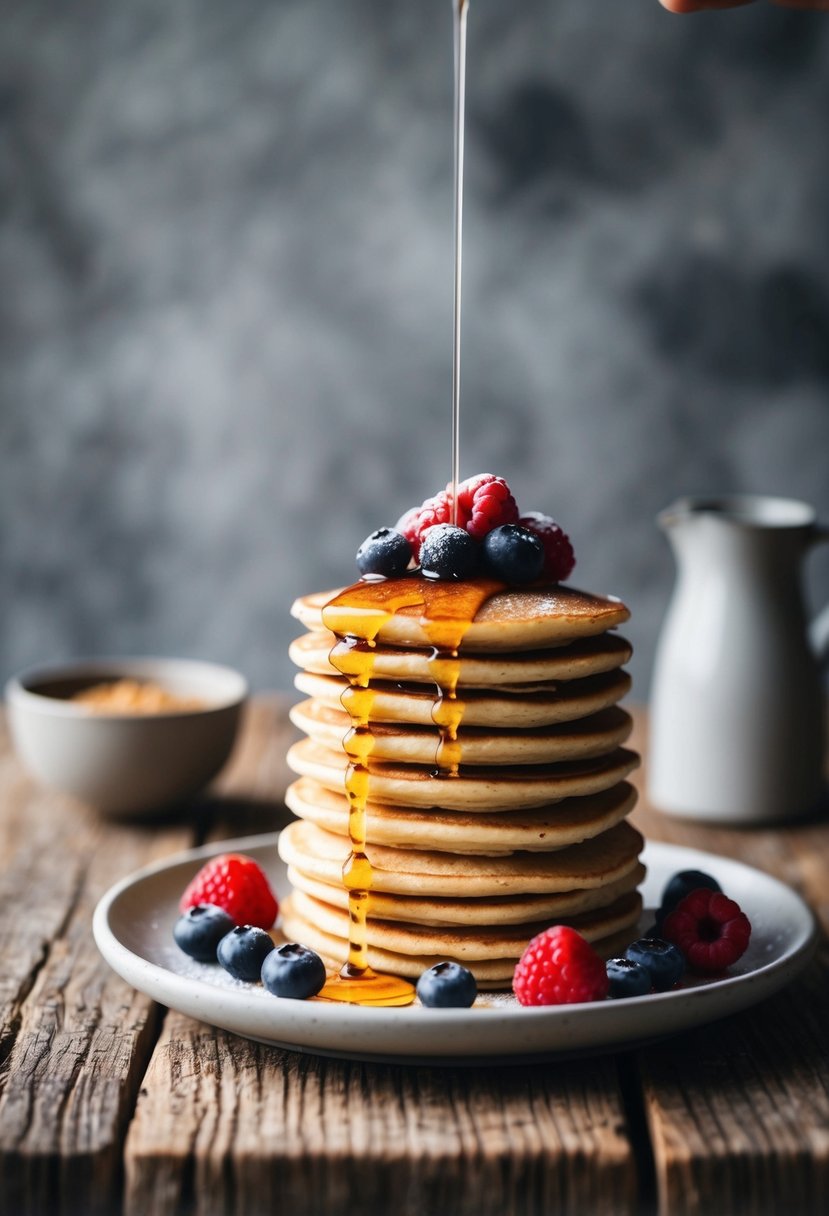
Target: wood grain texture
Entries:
(740, 1117)
(269, 1131)
(75, 1038)
(739, 1111)
(104, 1100)
(225, 1125)
(82, 1043)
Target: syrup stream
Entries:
(459, 12)
(356, 617)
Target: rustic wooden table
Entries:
(110, 1104)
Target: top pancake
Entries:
(514, 618)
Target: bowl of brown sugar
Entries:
(127, 736)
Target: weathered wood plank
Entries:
(81, 1047)
(222, 1124)
(739, 1116)
(74, 1040)
(270, 1131)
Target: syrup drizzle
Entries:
(459, 13)
(356, 617)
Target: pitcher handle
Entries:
(819, 628)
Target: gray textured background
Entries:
(225, 326)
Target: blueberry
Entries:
(385, 552)
(662, 960)
(242, 952)
(627, 978)
(200, 929)
(447, 986)
(683, 884)
(293, 971)
(449, 553)
(513, 554)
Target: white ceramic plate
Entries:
(133, 929)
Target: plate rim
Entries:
(352, 1025)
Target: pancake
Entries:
(593, 736)
(519, 708)
(490, 974)
(588, 657)
(540, 829)
(476, 789)
(530, 829)
(592, 863)
(465, 942)
(500, 910)
(512, 618)
(417, 947)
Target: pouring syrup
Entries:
(356, 617)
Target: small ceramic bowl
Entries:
(121, 762)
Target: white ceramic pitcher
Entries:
(737, 701)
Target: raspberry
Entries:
(484, 502)
(710, 930)
(559, 967)
(559, 558)
(237, 884)
(413, 524)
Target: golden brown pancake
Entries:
(593, 736)
(576, 661)
(515, 618)
(533, 706)
(496, 910)
(410, 949)
(474, 789)
(539, 829)
(591, 863)
(529, 830)
(491, 975)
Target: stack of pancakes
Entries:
(530, 831)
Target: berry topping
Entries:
(660, 958)
(293, 971)
(627, 978)
(710, 930)
(485, 502)
(513, 554)
(199, 930)
(243, 951)
(449, 553)
(447, 986)
(559, 967)
(683, 884)
(237, 884)
(415, 523)
(559, 558)
(385, 552)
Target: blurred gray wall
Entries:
(225, 305)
